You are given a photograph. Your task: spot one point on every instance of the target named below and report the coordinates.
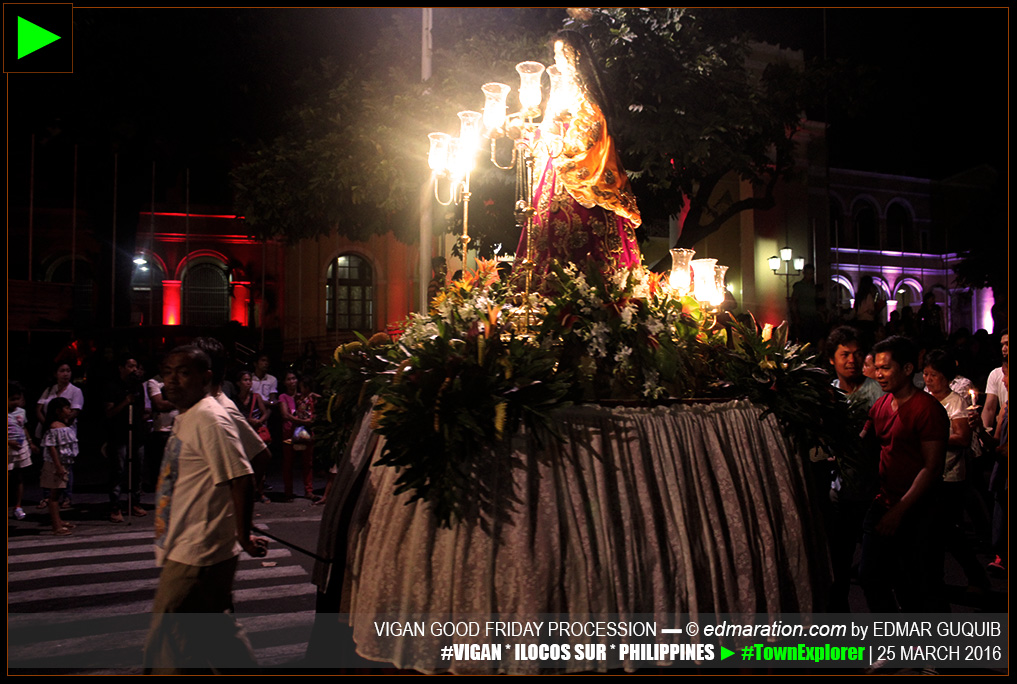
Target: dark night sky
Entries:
(215, 77)
(941, 101)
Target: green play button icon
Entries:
(725, 654)
(32, 37)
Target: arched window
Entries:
(59, 271)
(206, 294)
(909, 293)
(349, 294)
(842, 294)
(867, 226)
(83, 283)
(882, 288)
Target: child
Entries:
(19, 446)
(60, 447)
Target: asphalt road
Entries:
(80, 604)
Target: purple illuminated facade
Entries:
(907, 234)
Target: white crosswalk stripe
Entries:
(82, 603)
(80, 536)
(146, 564)
(240, 597)
(136, 638)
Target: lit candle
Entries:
(529, 84)
(681, 275)
(437, 157)
(704, 279)
(494, 105)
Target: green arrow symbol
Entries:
(32, 37)
(725, 654)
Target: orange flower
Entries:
(492, 319)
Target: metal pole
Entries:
(151, 250)
(300, 296)
(426, 219)
(74, 219)
(264, 267)
(187, 244)
(130, 463)
(31, 204)
(113, 274)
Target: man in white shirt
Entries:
(254, 448)
(204, 510)
(857, 478)
(846, 358)
(163, 414)
(996, 394)
(263, 383)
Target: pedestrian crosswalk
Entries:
(81, 603)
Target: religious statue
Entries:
(585, 208)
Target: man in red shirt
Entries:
(902, 553)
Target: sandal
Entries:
(62, 532)
(42, 504)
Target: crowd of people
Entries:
(928, 475)
(127, 421)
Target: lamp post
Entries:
(788, 260)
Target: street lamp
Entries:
(789, 261)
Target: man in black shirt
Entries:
(125, 415)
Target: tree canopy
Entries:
(690, 110)
(696, 110)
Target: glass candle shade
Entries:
(681, 275)
(437, 156)
(495, 105)
(530, 74)
(704, 279)
(720, 273)
(469, 130)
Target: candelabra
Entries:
(453, 158)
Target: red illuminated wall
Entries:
(171, 301)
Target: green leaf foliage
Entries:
(460, 381)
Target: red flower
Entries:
(617, 306)
(566, 319)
